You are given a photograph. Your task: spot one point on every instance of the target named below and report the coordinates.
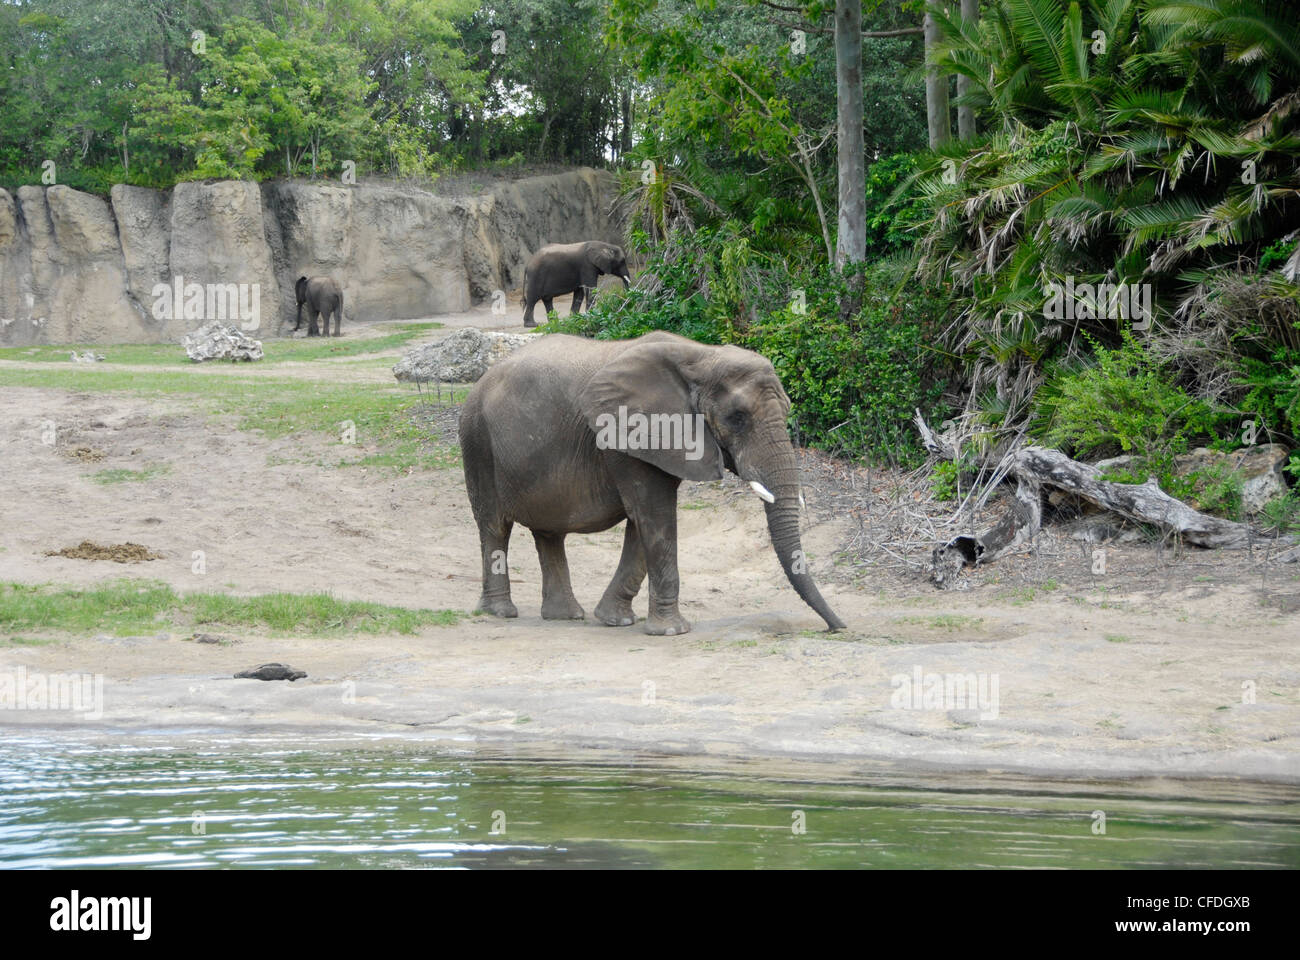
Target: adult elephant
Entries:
(322, 296)
(570, 435)
(560, 268)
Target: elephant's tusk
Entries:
(762, 491)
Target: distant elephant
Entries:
(570, 435)
(323, 296)
(561, 268)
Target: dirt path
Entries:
(1120, 681)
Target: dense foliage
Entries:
(155, 91)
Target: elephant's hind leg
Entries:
(558, 601)
(493, 525)
(576, 307)
(615, 607)
(494, 537)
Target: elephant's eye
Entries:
(736, 419)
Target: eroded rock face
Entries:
(220, 341)
(462, 357)
(144, 232)
(75, 268)
(64, 279)
(218, 237)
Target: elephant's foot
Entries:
(498, 606)
(530, 322)
(667, 625)
(615, 613)
(562, 608)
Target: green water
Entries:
(266, 804)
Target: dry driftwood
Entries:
(1033, 467)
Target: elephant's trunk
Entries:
(780, 475)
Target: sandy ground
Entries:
(1111, 680)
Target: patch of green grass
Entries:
(944, 621)
(130, 476)
(696, 506)
(275, 349)
(26, 641)
(1117, 638)
(143, 606)
(1018, 596)
(387, 420)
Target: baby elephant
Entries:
(323, 296)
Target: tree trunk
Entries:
(851, 244)
(1035, 467)
(970, 14)
(625, 137)
(937, 119)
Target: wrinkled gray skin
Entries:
(561, 268)
(528, 436)
(323, 296)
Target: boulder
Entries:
(221, 341)
(462, 357)
(1260, 467)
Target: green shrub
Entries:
(1125, 402)
(1273, 390)
(855, 384)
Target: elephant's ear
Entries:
(643, 403)
(601, 257)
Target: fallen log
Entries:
(1034, 467)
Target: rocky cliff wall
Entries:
(78, 269)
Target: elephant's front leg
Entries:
(650, 498)
(576, 307)
(615, 607)
(558, 601)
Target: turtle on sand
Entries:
(271, 671)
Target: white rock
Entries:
(216, 340)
